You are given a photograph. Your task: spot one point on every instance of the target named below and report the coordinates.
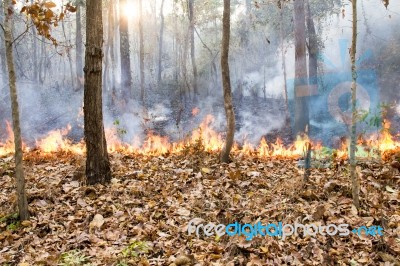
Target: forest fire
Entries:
(210, 140)
(8, 146)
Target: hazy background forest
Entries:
(50, 78)
(215, 112)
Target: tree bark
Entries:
(43, 62)
(184, 56)
(97, 162)
(353, 137)
(19, 168)
(283, 55)
(79, 48)
(160, 45)
(192, 49)
(312, 48)
(109, 64)
(248, 6)
(2, 48)
(226, 82)
(35, 74)
(301, 114)
(126, 73)
(141, 52)
(71, 70)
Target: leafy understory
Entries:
(74, 258)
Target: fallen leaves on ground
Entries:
(144, 212)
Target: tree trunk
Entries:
(176, 44)
(353, 137)
(213, 69)
(192, 49)
(160, 46)
(226, 82)
(97, 162)
(43, 62)
(126, 73)
(248, 7)
(312, 48)
(35, 74)
(109, 64)
(283, 55)
(184, 56)
(79, 48)
(141, 52)
(3, 59)
(243, 51)
(71, 70)
(301, 114)
(19, 169)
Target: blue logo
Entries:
(368, 231)
(329, 95)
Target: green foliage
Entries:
(120, 131)
(74, 258)
(135, 249)
(13, 226)
(12, 221)
(122, 263)
(376, 119)
(7, 218)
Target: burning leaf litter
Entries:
(141, 218)
(375, 145)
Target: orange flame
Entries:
(56, 141)
(7, 147)
(195, 111)
(212, 141)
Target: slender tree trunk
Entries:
(184, 56)
(114, 51)
(141, 52)
(301, 114)
(79, 49)
(248, 7)
(19, 168)
(243, 48)
(264, 88)
(226, 82)
(213, 69)
(2, 49)
(43, 62)
(71, 70)
(97, 162)
(312, 48)
(175, 44)
(160, 46)
(192, 49)
(126, 73)
(109, 79)
(283, 55)
(35, 74)
(353, 137)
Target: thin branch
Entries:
(205, 45)
(26, 30)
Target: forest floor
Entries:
(141, 218)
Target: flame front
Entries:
(8, 146)
(211, 140)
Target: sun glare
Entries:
(131, 10)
